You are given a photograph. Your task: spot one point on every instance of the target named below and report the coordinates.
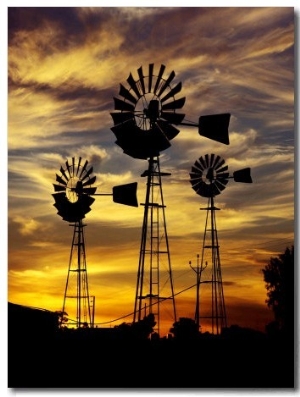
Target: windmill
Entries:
(73, 199)
(144, 124)
(209, 176)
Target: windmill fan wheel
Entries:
(209, 175)
(146, 114)
(74, 189)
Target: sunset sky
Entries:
(65, 65)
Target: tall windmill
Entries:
(73, 199)
(209, 176)
(144, 125)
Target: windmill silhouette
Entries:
(209, 176)
(73, 199)
(145, 122)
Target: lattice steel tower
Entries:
(209, 176)
(154, 278)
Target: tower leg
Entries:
(154, 286)
(76, 301)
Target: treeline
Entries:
(123, 357)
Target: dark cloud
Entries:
(31, 18)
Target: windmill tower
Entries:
(73, 201)
(209, 176)
(144, 128)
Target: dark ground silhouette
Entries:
(40, 355)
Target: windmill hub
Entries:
(147, 111)
(210, 175)
(152, 113)
(72, 189)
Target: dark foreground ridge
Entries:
(40, 355)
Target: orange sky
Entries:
(64, 68)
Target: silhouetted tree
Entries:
(62, 318)
(185, 328)
(279, 278)
(144, 328)
(139, 330)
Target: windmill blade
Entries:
(225, 168)
(60, 199)
(78, 166)
(206, 190)
(151, 65)
(196, 184)
(160, 136)
(195, 178)
(88, 173)
(126, 94)
(219, 163)
(68, 168)
(212, 159)
(214, 191)
(123, 106)
(172, 93)
(203, 189)
(159, 77)
(60, 180)
(83, 168)
(243, 175)
(89, 181)
(203, 163)
(119, 118)
(196, 171)
(198, 164)
(166, 83)
(126, 194)
(172, 118)
(141, 76)
(59, 188)
(177, 104)
(215, 127)
(64, 174)
(89, 200)
(219, 185)
(207, 160)
(132, 84)
(143, 146)
(133, 142)
(168, 130)
(215, 162)
(123, 131)
(73, 166)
